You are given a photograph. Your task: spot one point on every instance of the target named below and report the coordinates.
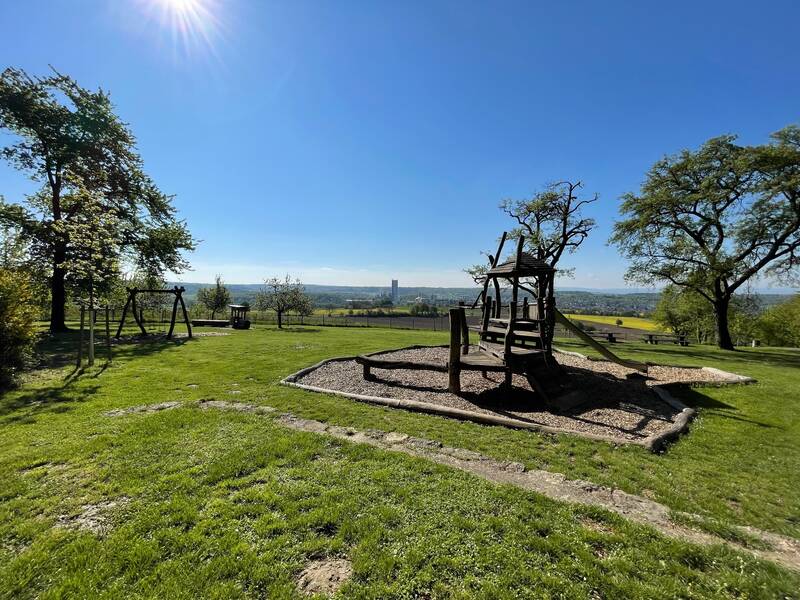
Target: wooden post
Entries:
(91, 335)
(454, 364)
(108, 335)
(124, 312)
(80, 341)
(498, 303)
(138, 317)
(185, 314)
(512, 317)
(174, 314)
(464, 330)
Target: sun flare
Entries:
(191, 25)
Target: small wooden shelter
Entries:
(239, 318)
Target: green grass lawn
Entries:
(223, 505)
(632, 322)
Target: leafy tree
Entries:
(17, 313)
(283, 295)
(685, 312)
(780, 324)
(711, 220)
(618, 322)
(551, 221)
(214, 298)
(68, 137)
(424, 310)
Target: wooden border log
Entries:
(378, 363)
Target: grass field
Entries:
(229, 505)
(632, 322)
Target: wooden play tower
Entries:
(512, 339)
(515, 339)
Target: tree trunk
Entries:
(58, 295)
(721, 305)
(280, 326)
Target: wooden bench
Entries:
(654, 338)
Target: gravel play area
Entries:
(601, 399)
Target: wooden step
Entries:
(501, 331)
(519, 324)
(481, 361)
(498, 350)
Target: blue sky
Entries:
(353, 142)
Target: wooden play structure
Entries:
(138, 316)
(239, 318)
(513, 339)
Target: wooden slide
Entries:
(631, 364)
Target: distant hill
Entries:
(598, 302)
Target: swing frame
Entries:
(131, 303)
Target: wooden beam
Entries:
(382, 363)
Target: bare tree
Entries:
(552, 222)
(284, 295)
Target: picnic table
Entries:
(607, 336)
(654, 338)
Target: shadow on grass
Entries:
(696, 399)
(57, 398)
(60, 395)
(61, 349)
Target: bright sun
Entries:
(192, 25)
(182, 6)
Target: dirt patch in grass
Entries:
(95, 518)
(146, 408)
(324, 576)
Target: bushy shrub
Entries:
(17, 334)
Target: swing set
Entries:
(139, 316)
